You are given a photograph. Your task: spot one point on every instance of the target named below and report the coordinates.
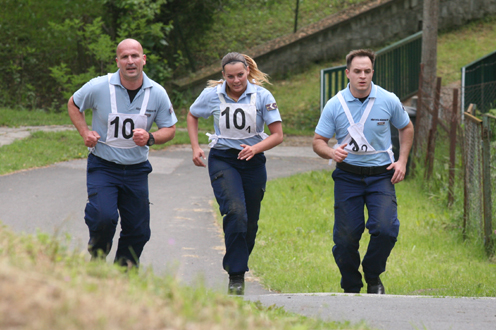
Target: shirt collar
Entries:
(250, 89)
(116, 80)
(349, 97)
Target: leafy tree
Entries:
(53, 46)
(94, 41)
(25, 46)
(190, 20)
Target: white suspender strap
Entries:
(345, 108)
(368, 109)
(365, 114)
(253, 100)
(145, 101)
(113, 101)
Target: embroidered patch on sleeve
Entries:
(271, 106)
(171, 109)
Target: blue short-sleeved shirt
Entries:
(95, 95)
(387, 110)
(208, 104)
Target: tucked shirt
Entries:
(387, 110)
(208, 104)
(95, 95)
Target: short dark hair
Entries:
(360, 53)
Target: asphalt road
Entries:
(187, 241)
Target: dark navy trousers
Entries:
(239, 188)
(352, 193)
(117, 190)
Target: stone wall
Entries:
(372, 24)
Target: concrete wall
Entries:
(373, 24)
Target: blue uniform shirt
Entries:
(208, 103)
(95, 95)
(387, 110)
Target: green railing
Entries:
(397, 69)
(479, 83)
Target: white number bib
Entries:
(120, 129)
(356, 140)
(120, 126)
(237, 121)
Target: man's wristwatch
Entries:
(151, 140)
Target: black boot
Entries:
(375, 286)
(236, 284)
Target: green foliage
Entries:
(27, 44)
(54, 46)
(136, 21)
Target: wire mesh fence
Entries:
(473, 202)
(484, 95)
(471, 139)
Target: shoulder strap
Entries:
(253, 100)
(345, 108)
(113, 101)
(368, 109)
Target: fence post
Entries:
(431, 145)
(454, 124)
(466, 206)
(417, 122)
(486, 182)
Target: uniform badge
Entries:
(171, 109)
(271, 106)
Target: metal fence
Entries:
(479, 83)
(397, 69)
(479, 155)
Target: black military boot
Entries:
(375, 286)
(236, 284)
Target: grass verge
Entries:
(46, 286)
(294, 244)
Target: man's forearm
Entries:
(164, 134)
(321, 148)
(406, 141)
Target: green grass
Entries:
(245, 24)
(41, 149)
(16, 118)
(462, 46)
(47, 286)
(294, 243)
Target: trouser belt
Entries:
(361, 170)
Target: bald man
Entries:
(125, 104)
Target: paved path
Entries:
(187, 241)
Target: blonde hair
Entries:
(255, 76)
